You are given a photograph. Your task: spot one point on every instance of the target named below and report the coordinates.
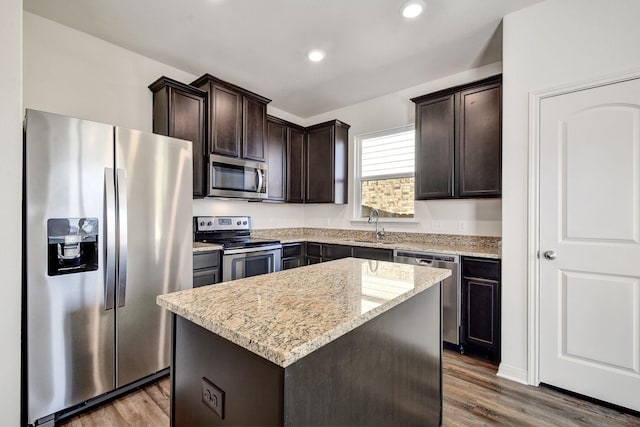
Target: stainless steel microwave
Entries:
(237, 178)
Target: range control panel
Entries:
(222, 223)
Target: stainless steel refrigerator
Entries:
(108, 227)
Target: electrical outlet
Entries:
(462, 226)
(436, 225)
(213, 397)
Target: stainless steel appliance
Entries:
(237, 178)
(107, 229)
(450, 287)
(242, 255)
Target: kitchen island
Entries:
(346, 342)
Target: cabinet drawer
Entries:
(337, 251)
(205, 277)
(292, 250)
(206, 260)
(313, 260)
(373, 253)
(481, 268)
(314, 250)
(288, 263)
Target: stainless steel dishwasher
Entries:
(450, 288)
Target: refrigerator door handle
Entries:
(121, 188)
(110, 239)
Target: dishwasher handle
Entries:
(424, 261)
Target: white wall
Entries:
(11, 213)
(553, 43)
(479, 217)
(75, 74)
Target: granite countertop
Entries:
(483, 247)
(204, 247)
(286, 315)
(444, 248)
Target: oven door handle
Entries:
(254, 250)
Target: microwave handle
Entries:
(260, 180)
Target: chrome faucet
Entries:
(379, 233)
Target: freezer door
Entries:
(154, 187)
(69, 330)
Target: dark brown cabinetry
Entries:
(479, 142)
(285, 143)
(237, 119)
(373, 253)
(481, 307)
(292, 255)
(295, 165)
(326, 163)
(459, 142)
(321, 252)
(331, 252)
(277, 160)
(206, 268)
(180, 111)
(313, 253)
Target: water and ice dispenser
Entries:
(72, 245)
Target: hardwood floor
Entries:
(473, 396)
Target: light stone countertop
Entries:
(454, 248)
(204, 247)
(445, 248)
(284, 316)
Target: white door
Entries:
(590, 221)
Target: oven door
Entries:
(247, 262)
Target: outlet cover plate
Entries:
(213, 397)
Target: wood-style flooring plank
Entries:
(473, 396)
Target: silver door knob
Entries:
(550, 255)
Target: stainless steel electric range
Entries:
(242, 255)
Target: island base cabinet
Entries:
(385, 372)
(253, 386)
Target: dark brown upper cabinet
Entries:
(326, 168)
(295, 164)
(479, 141)
(435, 130)
(237, 119)
(277, 159)
(459, 141)
(285, 144)
(180, 111)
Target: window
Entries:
(385, 173)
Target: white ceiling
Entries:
(261, 45)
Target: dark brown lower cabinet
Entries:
(331, 252)
(373, 253)
(313, 253)
(292, 255)
(481, 307)
(206, 268)
(321, 252)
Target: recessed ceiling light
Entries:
(412, 8)
(316, 55)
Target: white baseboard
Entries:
(512, 373)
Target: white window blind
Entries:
(385, 156)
